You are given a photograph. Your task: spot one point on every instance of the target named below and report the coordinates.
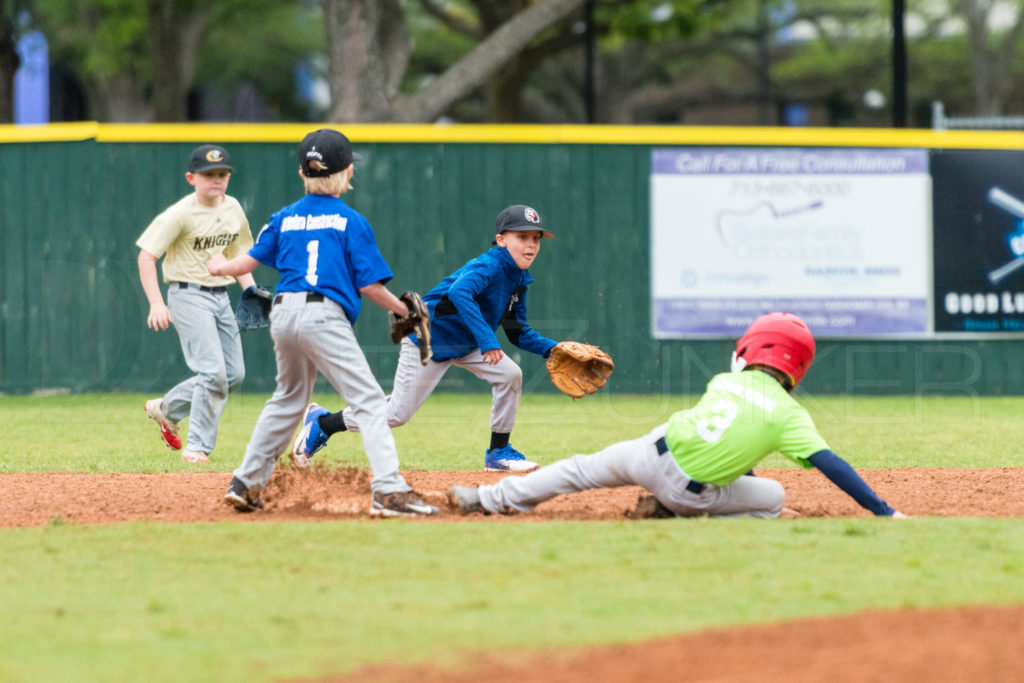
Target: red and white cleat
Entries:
(168, 429)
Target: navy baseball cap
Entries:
(325, 152)
(520, 218)
(209, 158)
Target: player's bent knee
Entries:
(512, 377)
(216, 384)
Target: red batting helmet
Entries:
(778, 340)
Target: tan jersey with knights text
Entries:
(190, 233)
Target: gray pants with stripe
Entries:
(414, 382)
(311, 337)
(630, 463)
(209, 337)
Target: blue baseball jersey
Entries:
(468, 306)
(320, 244)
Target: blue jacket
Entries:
(467, 307)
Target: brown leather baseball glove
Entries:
(578, 369)
(417, 322)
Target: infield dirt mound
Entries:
(34, 499)
(966, 645)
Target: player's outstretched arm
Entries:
(382, 296)
(840, 473)
(246, 281)
(243, 264)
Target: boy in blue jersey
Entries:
(328, 259)
(466, 309)
(699, 462)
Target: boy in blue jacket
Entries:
(466, 309)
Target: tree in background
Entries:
(992, 50)
(103, 42)
(174, 31)
(656, 61)
(256, 56)
(8, 60)
(645, 51)
(963, 52)
(139, 61)
(486, 60)
(369, 47)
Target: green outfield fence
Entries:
(74, 197)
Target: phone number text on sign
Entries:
(774, 189)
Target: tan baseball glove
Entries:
(578, 369)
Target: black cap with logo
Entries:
(520, 218)
(325, 152)
(209, 158)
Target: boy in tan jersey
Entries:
(187, 234)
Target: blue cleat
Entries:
(311, 438)
(507, 459)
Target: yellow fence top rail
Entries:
(520, 134)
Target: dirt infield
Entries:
(906, 646)
(969, 644)
(36, 499)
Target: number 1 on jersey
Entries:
(313, 248)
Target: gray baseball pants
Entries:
(311, 337)
(414, 382)
(209, 338)
(635, 462)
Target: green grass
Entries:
(110, 433)
(222, 602)
(259, 602)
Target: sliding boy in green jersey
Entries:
(697, 463)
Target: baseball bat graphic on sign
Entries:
(1015, 207)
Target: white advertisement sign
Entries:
(839, 237)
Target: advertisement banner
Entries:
(837, 236)
(979, 241)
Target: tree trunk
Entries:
(120, 99)
(504, 94)
(8, 65)
(503, 90)
(173, 47)
(989, 62)
(368, 49)
(481, 63)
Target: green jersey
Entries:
(742, 417)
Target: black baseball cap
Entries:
(520, 218)
(325, 152)
(208, 158)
